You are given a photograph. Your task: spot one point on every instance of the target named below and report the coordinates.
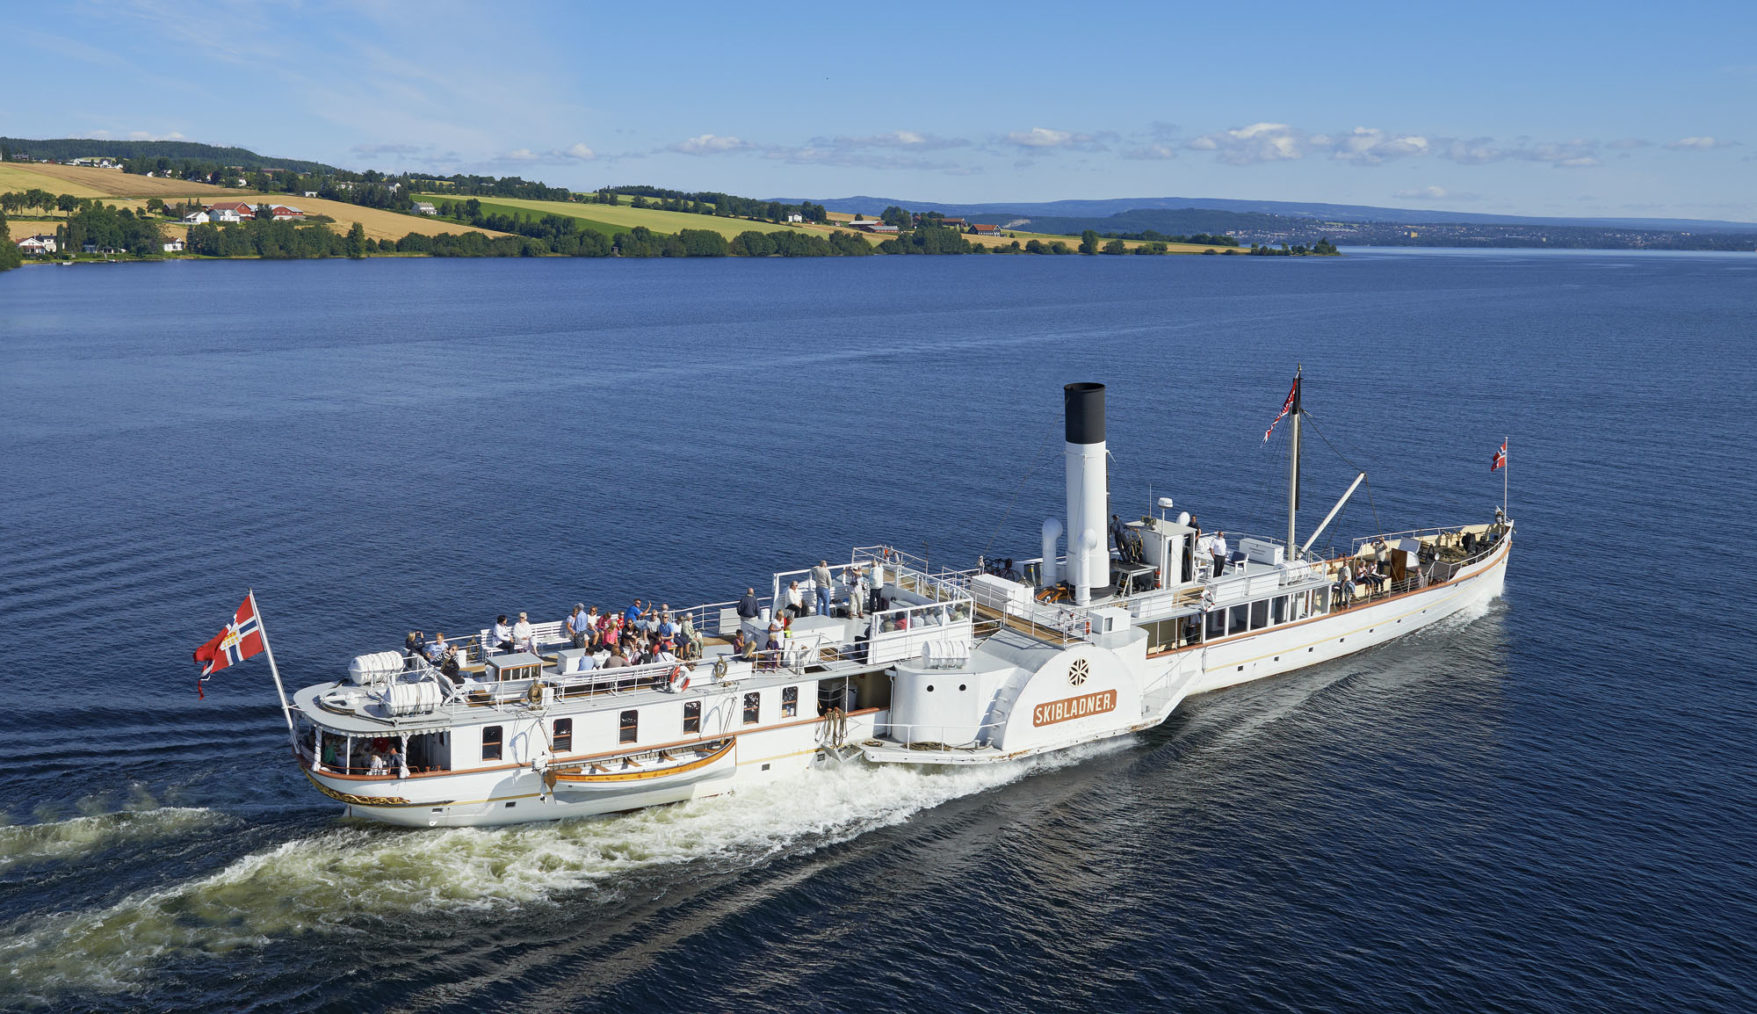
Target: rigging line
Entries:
(1014, 499)
(1377, 524)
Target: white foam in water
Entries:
(80, 836)
(345, 880)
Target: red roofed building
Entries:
(286, 213)
(985, 229)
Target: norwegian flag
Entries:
(241, 639)
(1286, 407)
(1500, 459)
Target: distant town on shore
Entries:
(77, 199)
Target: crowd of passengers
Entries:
(643, 634)
(638, 635)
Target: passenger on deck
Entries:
(1009, 572)
(394, 758)
(522, 637)
(632, 615)
(579, 625)
(857, 586)
(667, 627)
(442, 654)
(691, 639)
(501, 637)
(795, 607)
(740, 645)
(609, 630)
(1219, 548)
(414, 646)
(748, 609)
(826, 586)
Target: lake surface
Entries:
(1551, 805)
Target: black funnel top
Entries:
(1085, 413)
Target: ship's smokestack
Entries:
(1088, 558)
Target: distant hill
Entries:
(85, 147)
(1088, 211)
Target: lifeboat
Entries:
(641, 772)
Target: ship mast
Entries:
(1293, 466)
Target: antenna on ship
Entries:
(1293, 464)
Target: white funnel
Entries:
(1088, 561)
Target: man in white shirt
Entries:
(501, 636)
(795, 600)
(1219, 552)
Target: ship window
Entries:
(563, 735)
(1278, 609)
(630, 727)
(692, 716)
(491, 743)
(789, 702)
(1259, 614)
(753, 703)
(1216, 624)
(1239, 621)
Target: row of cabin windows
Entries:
(1262, 613)
(561, 738)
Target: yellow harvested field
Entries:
(133, 192)
(19, 177)
(379, 224)
(20, 230)
(61, 179)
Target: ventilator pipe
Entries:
(1090, 546)
(1052, 533)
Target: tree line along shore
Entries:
(102, 215)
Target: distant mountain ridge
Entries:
(1095, 209)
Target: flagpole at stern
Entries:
(1506, 470)
(274, 670)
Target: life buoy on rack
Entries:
(535, 694)
(678, 680)
(720, 668)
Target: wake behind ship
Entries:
(880, 659)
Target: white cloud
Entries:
(709, 144)
(1259, 142)
(1699, 144)
(521, 155)
(1041, 137)
(579, 151)
(1371, 146)
(1151, 152)
(1436, 193)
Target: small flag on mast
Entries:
(1286, 407)
(241, 639)
(1500, 459)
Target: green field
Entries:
(621, 217)
(535, 210)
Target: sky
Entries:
(1612, 108)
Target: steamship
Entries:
(1101, 635)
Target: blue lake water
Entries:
(1547, 806)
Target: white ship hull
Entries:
(516, 794)
(911, 666)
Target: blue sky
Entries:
(1623, 109)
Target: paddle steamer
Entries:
(912, 665)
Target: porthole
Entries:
(930, 688)
(962, 687)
